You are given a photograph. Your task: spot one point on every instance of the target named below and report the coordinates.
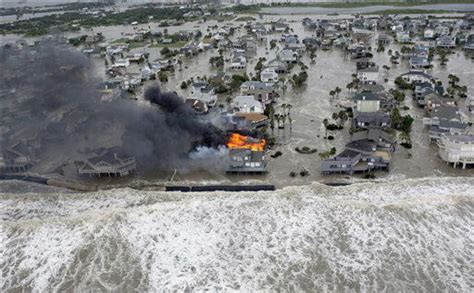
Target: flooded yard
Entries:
(311, 103)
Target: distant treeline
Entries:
(72, 21)
(55, 8)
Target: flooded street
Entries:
(311, 103)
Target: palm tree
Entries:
(326, 123)
(283, 119)
(337, 90)
(287, 111)
(278, 119)
(349, 86)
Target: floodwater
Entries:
(311, 105)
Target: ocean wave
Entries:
(400, 235)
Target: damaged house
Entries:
(14, 160)
(111, 162)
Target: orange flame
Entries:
(237, 141)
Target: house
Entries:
(366, 102)
(374, 88)
(198, 106)
(416, 76)
(403, 37)
(238, 63)
(368, 150)
(445, 41)
(121, 63)
(383, 139)
(469, 46)
(359, 51)
(287, 56)
(364, 63)
(443, 119)
(279, 26)
(377, 119)
(247, 104)
(204, 92)
(311, 42)
(383, 39)
(296, 47)
(136, 57)
(441, 30)
(269, 75)
(116, 49)
(107, 162)
(422, 90)
(457, 148)
(419, 62)
(289, 39)
(246, 161)
(249, 121)
(470, 105)
(278, 65)
(369, 75)
(15, 159)
(263, 92)
(428, 34)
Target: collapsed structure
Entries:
(111, 162)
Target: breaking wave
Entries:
(409, 235)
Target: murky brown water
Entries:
(312, 104)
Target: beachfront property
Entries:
(110, 162)
(368, 150)
(14, 159)
(442, 118)
(457, 148)
(246, 161)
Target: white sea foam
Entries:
(408, 235)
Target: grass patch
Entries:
(408, 3)
(245, 18)
(133, 45)
(409, 11)
(178, 44)
(119, 41)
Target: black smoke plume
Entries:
(51, 103)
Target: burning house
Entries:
(246, 154)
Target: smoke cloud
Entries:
(51, 102)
